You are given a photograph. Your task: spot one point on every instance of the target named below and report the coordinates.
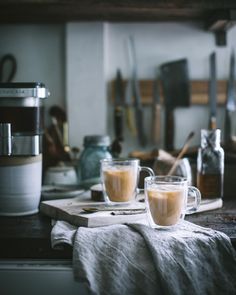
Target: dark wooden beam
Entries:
(108, 10)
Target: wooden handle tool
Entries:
(182, 152)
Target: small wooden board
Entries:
(70, 210)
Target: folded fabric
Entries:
(136, 259)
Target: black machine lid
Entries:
(22, 85)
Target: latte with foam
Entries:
(166, 204)
(120, 183)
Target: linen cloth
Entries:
(136, 259)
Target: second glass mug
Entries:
(120, 179)
(166, 199)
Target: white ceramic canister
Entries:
(20, 185)
(60, 175)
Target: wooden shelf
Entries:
(51, 11)
(199, 91)
(217, 16)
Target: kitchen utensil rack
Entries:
(199, 91)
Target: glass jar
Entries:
(96, 148)
(210, 165)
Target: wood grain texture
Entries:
(199, 91)
(109, 10)
(156, 125)
(223, 219)
(70, 210)
(29, 236)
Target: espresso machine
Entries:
(21, 130)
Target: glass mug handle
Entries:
(193, 191)
(149, 171)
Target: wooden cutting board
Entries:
(70, 210)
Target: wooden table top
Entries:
(29, 237)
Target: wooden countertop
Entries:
(29, 237)
(223, 219)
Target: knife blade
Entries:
(230, 100)
(156, 114)
(136, 94)
(212, 91)
(118, 110)
(120, 210)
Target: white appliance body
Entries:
(20, 185)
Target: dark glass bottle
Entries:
(210, 165)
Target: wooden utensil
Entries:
(156, 115)
(182, 152)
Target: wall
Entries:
(77, 60)
(85, 80)
(39, 50)
(157, 43)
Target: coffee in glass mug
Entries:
(120, 179)
(166, 199)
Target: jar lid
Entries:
(98, 140)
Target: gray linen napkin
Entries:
(136, 259)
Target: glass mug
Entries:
(120, 179)
(166, 199)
